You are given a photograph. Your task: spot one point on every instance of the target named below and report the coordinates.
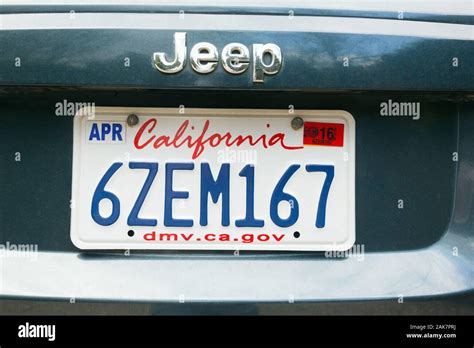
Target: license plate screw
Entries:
(297, 123)
(132, 120)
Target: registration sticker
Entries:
(323, 133)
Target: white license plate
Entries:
(214, 179)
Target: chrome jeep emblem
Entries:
(235, 58)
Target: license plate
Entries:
(229, 179)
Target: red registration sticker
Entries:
(323, 134)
